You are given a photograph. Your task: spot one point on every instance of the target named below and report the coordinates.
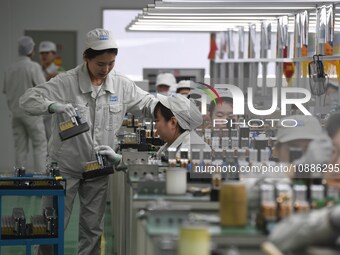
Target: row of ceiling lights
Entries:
(221, 15)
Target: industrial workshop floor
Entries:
(32, 206)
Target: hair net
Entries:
(185, 111)
(25, 45)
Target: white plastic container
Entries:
(176, 181)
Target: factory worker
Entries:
(47, 54)
(176, 118)
(221, 112)
(165, 83)
(320, 227)
(184, 87)
(300, 133)
(22, 75)
(102, 97)
(305, 133)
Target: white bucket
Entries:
(176, 181)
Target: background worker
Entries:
(22, 75)
(320, 227)
(165, 83)
(102, 97)
(47, 54)
(184, 87)
(221, 112)
(307, 136)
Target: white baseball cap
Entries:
(100, 39)
(47, 46)
(185, 111)
(224, 93)
(25, 45)
(167, 79)
(307, 127)
(184, 84)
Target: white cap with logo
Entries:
(224, 93)
(307, 127)
(47, 46)
(100, 39)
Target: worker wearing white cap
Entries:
(296, 234)
(303, 132)
(176, 118)
(47, 54)
(221, 112)
(184, 87)
(22, 75)
(102, 97)
(165, 82)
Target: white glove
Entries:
(319, 151)
(109, 153)
(63, 108)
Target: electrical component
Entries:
(72, 127)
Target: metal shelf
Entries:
(275, 60)
(58, 200)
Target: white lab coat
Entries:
(22, 75)
(104, 114)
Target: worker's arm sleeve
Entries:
(35, 101)
(301, 231)
(139, 102)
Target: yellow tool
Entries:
(97, 168)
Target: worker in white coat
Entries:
(184, 87)
(22, 75)
(102, 97)
(165, 83)
(296, 234)
(176, 118)
(47, 55)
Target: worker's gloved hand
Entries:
(109, 153)
(63, 108)
(319, 151)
